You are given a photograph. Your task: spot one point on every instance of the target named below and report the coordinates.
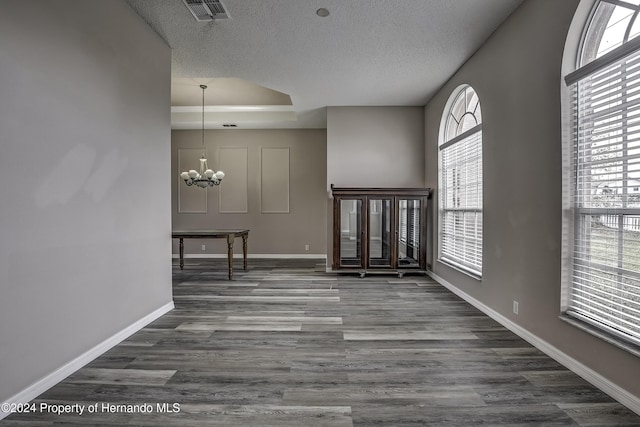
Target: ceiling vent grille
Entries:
(206, 10)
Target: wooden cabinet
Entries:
(380, 229)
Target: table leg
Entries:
(230, 239)
(181, 253)
(244, 250)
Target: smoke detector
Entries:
(206, 10)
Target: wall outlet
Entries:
(204, 247)
(515, 307)
(306, 247)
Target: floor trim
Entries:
(250, 256)
(44, 384)
(613, 390)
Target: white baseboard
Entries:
(618, 393)
(44, 384)
(255, 256)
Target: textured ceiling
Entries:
(365, 53)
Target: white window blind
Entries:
(403, 221)
(605, 196)
(414, 224)
(410, 222)
(461, 201)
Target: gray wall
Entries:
(517, 75)
(253, 193)
(373, 147)
(84, 171)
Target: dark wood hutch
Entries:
(380, 229)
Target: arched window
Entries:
(460, 176)
(603, 287)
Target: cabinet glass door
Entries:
(380, 237)
(351, 233)
(409, 233)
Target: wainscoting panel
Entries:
(190, 199)
(274, 180)
(234, 187)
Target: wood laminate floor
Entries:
(285, 344)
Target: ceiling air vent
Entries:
(229, 125)
(206, 10)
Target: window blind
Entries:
(414, 224)
(461, 201)
(409, 222)
(605, 196)
(403, 220)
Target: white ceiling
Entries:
(365, 53)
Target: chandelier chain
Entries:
(203, 88)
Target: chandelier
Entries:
(206, 177)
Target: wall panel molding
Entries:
(233, 194)
(274, 180)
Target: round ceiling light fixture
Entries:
(322, 12)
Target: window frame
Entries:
(581, 270)
(464, 135)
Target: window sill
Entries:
(609, 338)
(460, 269)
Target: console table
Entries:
(230, 235)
